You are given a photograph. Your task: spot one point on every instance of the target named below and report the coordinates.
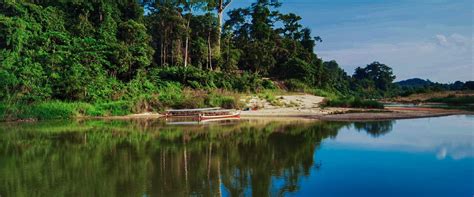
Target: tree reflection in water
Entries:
(148, 157)
(375, 128)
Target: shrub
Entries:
(146, 103)
(170, 93)
(191, 99)
(227, 102)
(268, 84)
(3, 111)
(323, 93)
(295, 85)
(453, 100)
(117, 108)
(209, 80)
(87, 109)
(48, 110)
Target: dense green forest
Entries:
(152, 54)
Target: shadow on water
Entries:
(152, 158)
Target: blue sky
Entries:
(429, 39)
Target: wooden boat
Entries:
(188, 112)
(219, 114)
(204, 113)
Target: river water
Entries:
(416, 157)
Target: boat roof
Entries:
(193, 110)
(221, 110)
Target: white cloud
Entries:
(455, 40)
(441, 58)
(442, 40)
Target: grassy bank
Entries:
(61, 110)
(351, 102)
(48, 110)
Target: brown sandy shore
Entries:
(308, 107)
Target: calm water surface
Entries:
(419, 157)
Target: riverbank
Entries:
(328, 114)
(309, 107)
(302, 106)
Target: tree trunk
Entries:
(172, 53)
(186, 51)
(209, 49)
(220, 12)
(165, 52)
(186, 48)
(161, 51)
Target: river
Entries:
(415, 157)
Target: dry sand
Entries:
(288, 105)
(309, 107)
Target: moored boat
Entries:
(188, 112)
(219, 114)
(204, 113)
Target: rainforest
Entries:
(61, 58)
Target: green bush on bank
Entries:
(224, 101)
(48, 110)
(61, 110)
(172, 98)
(453, 100)
(3, 111)
(351, 102)
(196, 78)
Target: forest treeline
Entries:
(105, 50)
(155, 50)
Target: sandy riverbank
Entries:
(309, 107)
(348, 114)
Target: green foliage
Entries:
(324, 93)
(67, 53)
(3, 111)
(49, 110)
(416, 86)
(453, 100)
(208, 80)
(170, 93)
(296, 68)
(117, 108)
(334, 78)
(226, 102)
(62, 110)
(295, 85)
(375, 80)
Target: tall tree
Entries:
(221, 7)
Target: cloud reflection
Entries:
(444, 137)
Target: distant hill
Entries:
(415, 83)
